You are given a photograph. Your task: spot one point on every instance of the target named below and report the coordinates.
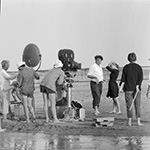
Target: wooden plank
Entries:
(104, 124)
(104, 119)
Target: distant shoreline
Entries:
(81, 75)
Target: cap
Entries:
(21, 63)
(58, 64)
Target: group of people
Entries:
(21, 87)
(131, 80)
(24, 89)
(130, 84)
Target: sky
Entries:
(111, 28)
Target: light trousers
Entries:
(129, 95)
(6, 100)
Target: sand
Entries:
(81, 93)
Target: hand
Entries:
(148, 94)
(96, 79)
(137, 88)
(121, 87)
(121, 90)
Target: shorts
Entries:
(46, 90)
(27, 91)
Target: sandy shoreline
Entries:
(81, 93)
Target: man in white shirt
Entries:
(5, 86)
(96, 76)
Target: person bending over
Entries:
(54, 77)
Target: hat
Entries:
(21, 63)
(58, 64)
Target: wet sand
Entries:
(82, 94)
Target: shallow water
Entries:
(40, 141)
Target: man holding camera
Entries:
(95, 75)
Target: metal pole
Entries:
(69, 95)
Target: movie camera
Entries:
(70, 68)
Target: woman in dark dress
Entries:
(113, 89)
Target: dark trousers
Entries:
(96, 90)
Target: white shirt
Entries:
(4, 80)
(96, 71)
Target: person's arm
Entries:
(61, 79)
(91, 75)
(7, 76)
(140, 78)
(121, 87)
(122, 82)
(109, 68)
(36, 75)
(19, 79)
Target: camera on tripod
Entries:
(74, 109)
(67, 58)
(70, 66)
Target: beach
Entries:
(81, 92)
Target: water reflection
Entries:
(40, 141)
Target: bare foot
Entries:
(57, 121)
(47, 121)
(97, 113)
(112, 112)
(118, 113)
(27, 121)
(140, 124)
(129, 124)
(2, 130)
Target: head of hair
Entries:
(98, 57)
(132, 57)
(117, 66)
(4, 63)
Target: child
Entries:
(16, 93)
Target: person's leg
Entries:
(137, 104)
(96, 90)
(114, 107)
(25, 105)
(46, 101)
(19, 95)
(128, 99)
(1, 129)
(30, 105)
(52, 97)
(98, 93)
(33, 102)
(117, 105)
(5, 105)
